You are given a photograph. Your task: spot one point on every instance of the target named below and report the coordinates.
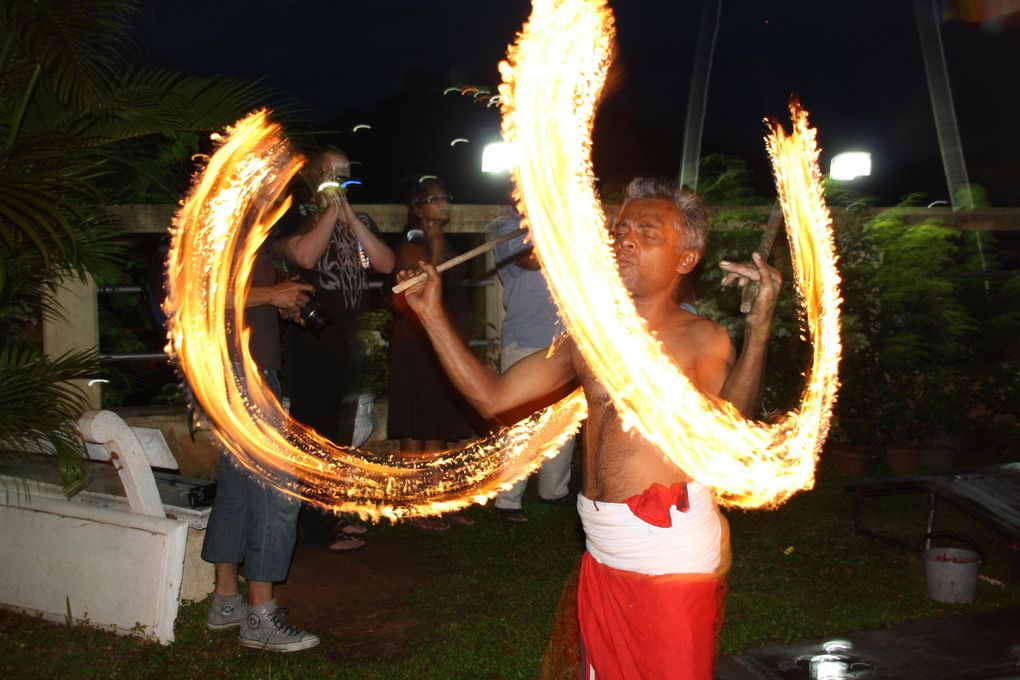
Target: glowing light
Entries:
(361, 126)
(329, 184)
(455, 88)
(498, 157)
(850, 165)
(351, 182)
(552, 80)
(459, 140)
(216, 235)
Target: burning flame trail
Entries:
(552, 80)
(216, 236)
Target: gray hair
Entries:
(694, 230)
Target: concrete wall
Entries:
(77, 328)
(112, 569)
(153, 219)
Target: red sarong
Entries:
(635, 626)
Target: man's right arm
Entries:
(490, 393)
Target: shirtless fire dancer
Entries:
(657, 547)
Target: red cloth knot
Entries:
(654, 503)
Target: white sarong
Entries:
(694, 544)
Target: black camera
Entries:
(315, 317)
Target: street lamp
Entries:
(498, 157)
(850, 165)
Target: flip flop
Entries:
(350, 528)
(459, 520)
(428, 524)
(344, 542)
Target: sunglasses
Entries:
(435, 198)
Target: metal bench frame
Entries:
(990, 495)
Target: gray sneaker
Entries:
(264, 628)
(226, 611)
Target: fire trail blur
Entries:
(552, 81)
(216, 236)
(551, 84)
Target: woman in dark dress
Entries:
(426, 413)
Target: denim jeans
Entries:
(251, 523)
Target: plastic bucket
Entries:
(951, 574)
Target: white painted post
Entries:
(127, 456)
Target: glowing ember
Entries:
(216, 235)
(551, 83)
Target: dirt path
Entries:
(360, 598)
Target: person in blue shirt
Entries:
(531, 324)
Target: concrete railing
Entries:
(79, 327)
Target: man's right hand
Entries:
(291, 295)
(424, 297)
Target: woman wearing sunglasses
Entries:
(426, 413)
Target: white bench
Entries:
(120, 554)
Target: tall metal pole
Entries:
(698, 96)
(960, 197)
(926, 13)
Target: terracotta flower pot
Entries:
(849, 459)
(939, 451)
(903, 457)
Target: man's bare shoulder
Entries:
(690, 331)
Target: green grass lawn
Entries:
(799, 571)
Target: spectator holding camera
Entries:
(330, 247)
(252, 524)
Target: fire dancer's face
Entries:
(646, 242)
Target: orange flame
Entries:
(552, 81)
(216, 236)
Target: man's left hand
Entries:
(769, 281)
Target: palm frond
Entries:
(148, 101)
(27, 212)
(39, 405)
(75, 42)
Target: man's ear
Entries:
(687, 261)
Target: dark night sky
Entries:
(857, 68)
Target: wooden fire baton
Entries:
(463, 257)
(768, 239)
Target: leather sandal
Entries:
(512, 515)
